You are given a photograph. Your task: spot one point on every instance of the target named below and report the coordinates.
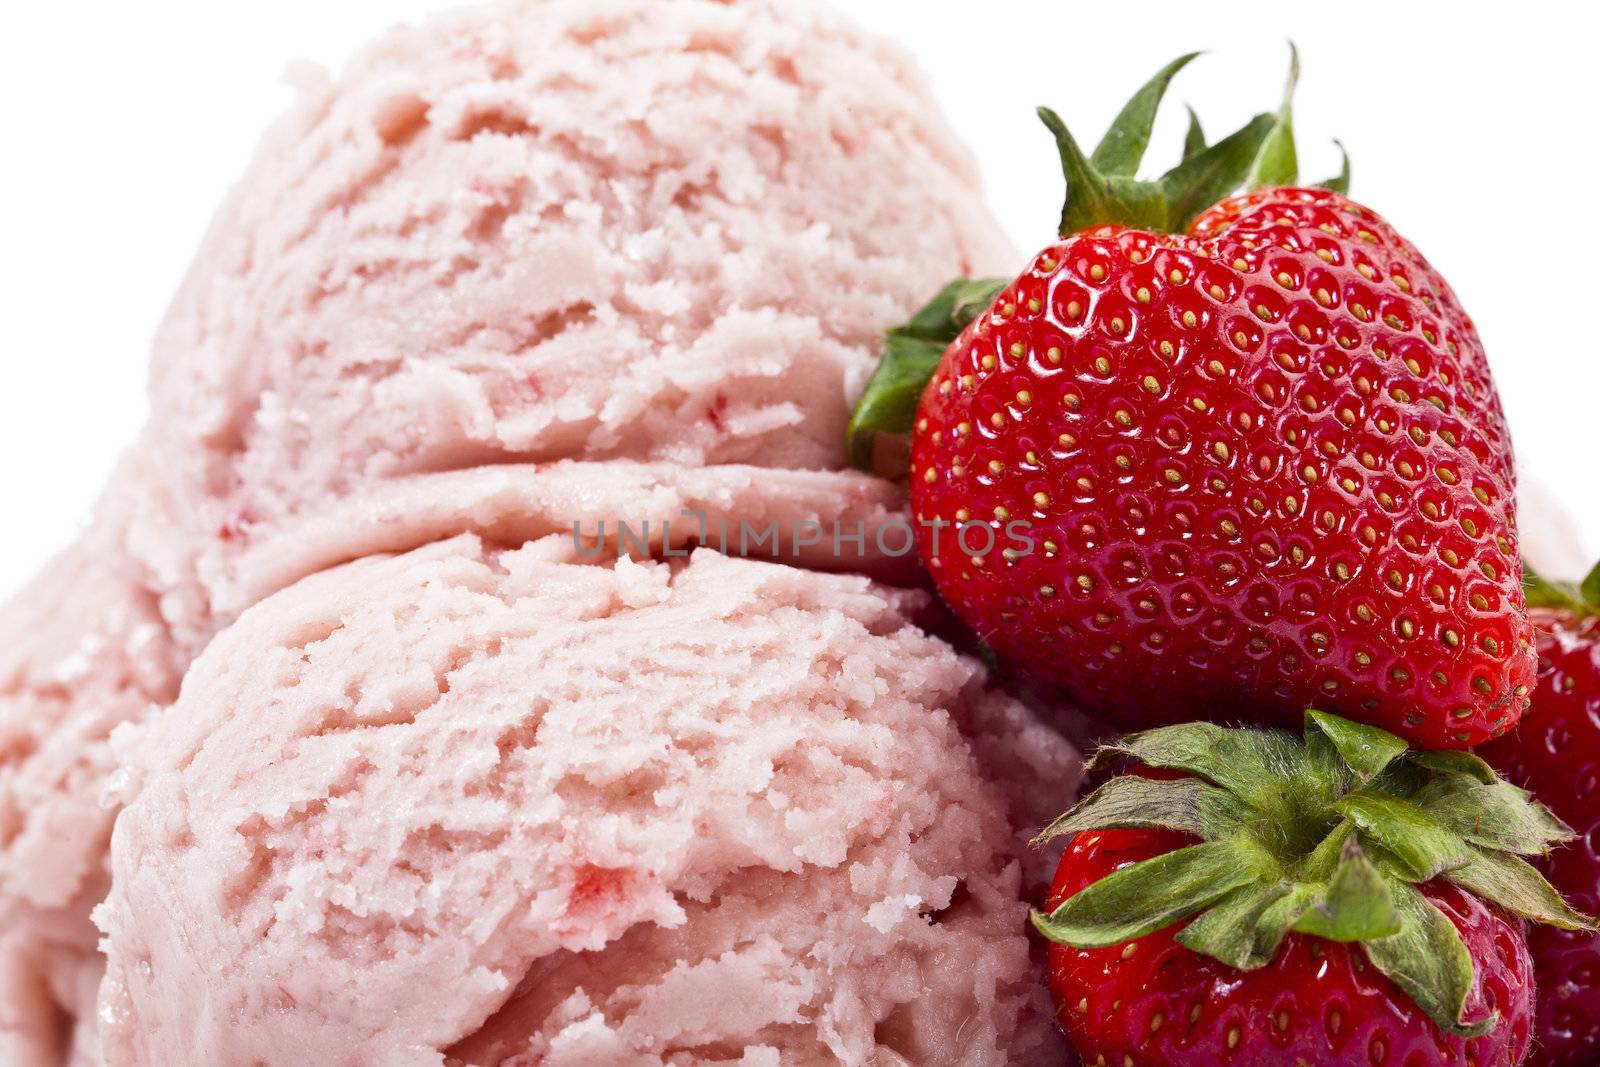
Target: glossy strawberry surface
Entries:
(1555, 753)
(1262, 466)
(1154, 1003)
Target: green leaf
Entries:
(1194, 141)
(911, 354)
(1094, 199)
(1325, 858)
(952, 308)
(1341, 182)
(1590, 589)
(1276, 163)
(1150, 895)
(1124, 144)
(1356, 905)
(1402, 778)
(1247, 763)
(889, 404)
(1498, 815)
(1451, 761)
(1542, 592)
(971, 297)
(1428, 960)
(1130, 801)
(1089, 198)
(1518, 887)
(1581, 598)
(1245, 928)
(1423, 847)
(1366, 749)
(1212, 174)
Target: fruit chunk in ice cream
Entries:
(473, 801)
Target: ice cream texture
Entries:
(715, 811)
(562, 232)
(83, 650)
(438, 790)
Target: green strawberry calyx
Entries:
(1328, 836)
(911, 353)
(1582, 598)
(1101, 188)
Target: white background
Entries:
(1474, 133)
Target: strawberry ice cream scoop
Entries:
(469, 804)
(82, 651)
(544, 231)
(540, 263)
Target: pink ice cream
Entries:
(82, 650)
(471, 803)
(564, 232)
(544, 263)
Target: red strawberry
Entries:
(1258, 900)
(1255, 454)
(1320, 1001)
(1555, 752)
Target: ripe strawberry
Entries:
(1245, 898)
(1320, 1002)
(1555, 752)
(1255, 452)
